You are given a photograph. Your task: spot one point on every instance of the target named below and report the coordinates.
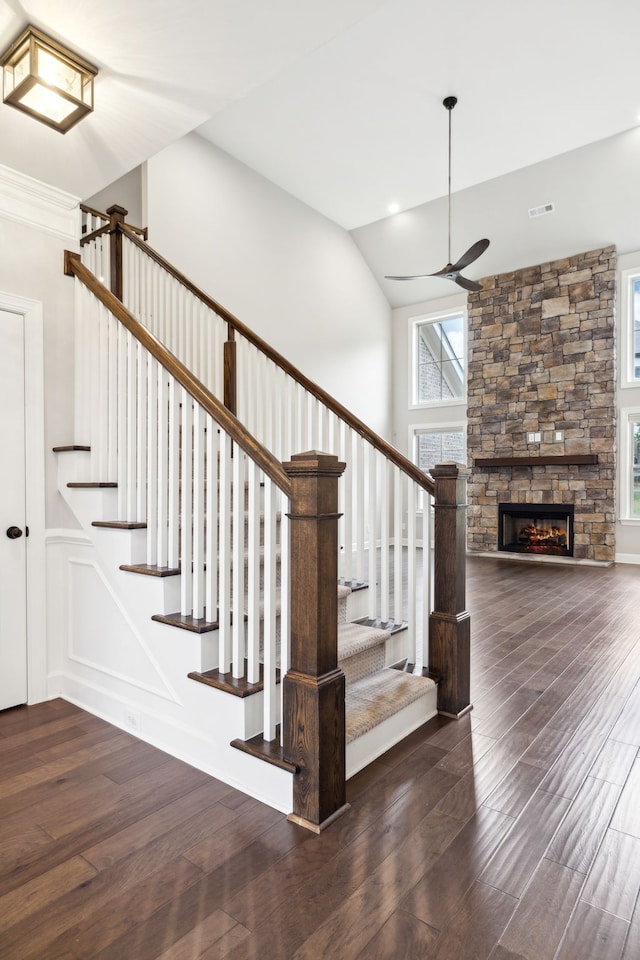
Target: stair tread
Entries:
(375, 698)
(186, 622)
(119, 524)
(92, 485)
(354, 638)
(150, 570)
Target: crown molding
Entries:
(38, 204)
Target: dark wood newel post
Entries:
(314, 686)
(449, 624)
(229, 370)
(117, 215)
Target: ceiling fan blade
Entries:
(419, 276)
(467, 284)
(472, 254)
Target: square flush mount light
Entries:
(47, 81)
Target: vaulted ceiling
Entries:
(339, 102)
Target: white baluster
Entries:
(412, 578)
(82, 364)
(173, 511)
(123, 345)
(186, 505)
(224, 595)
(162, 552)
(361, 502)
(397, 545)
(213, 451)
(269, 642)
(372, 469)
(127, 276)
(112, 468)
(141, 437)
(384, 539)
(198, 512)
(285, 639)
(345, 555)
(253, 574)
(132, 371)
(102, 425)
(237, 587)
(427, 574)
(153, 447)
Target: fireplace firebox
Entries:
(542, 528)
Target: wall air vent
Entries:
(541, 210)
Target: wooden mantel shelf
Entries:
(571, 459)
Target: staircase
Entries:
(176, 425)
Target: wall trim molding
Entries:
(169, 692)
(38, 204)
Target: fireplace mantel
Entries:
(572, 459)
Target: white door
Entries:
(13, 544)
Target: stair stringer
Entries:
(191, 722)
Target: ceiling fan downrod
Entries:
(449, 103)
(452, 270)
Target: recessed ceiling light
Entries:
(393, 207)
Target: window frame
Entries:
(628, 378)
(628, 416)
(442, 426)
(414, 324)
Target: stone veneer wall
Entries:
(542, 358)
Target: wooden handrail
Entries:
(94, 213)
(409, 468)
(272, 467)
(88, 237)
(143, 231)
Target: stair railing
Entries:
(178, 457)
(386, 502)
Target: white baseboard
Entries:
(627, 558)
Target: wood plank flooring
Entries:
(513, 834)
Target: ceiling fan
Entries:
(452, 270)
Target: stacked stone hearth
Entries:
(542, 360)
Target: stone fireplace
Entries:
(541, 408)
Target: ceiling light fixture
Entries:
(47, 81)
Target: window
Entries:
(630, 465)
(630, 323)
(439, 358)
(434, 445)
(635, 469)
(635, 325)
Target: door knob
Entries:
(14, 533)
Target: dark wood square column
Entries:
(314, 686)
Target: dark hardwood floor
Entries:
(513, 833)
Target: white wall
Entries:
(294, 277)
(37, 223)
(127, 192)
